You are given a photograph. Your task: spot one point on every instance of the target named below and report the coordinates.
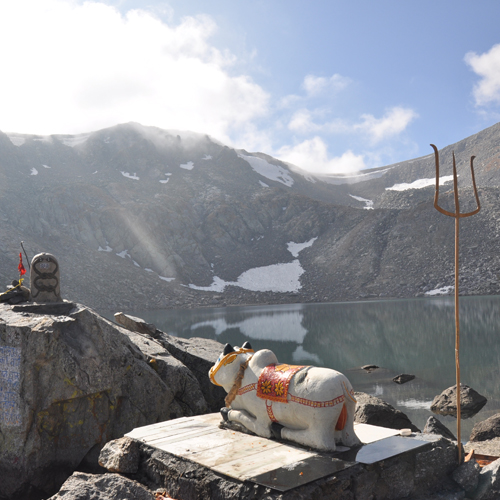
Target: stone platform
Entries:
(194, 458)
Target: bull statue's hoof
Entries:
(276, 430)
(225, 413)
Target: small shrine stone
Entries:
(403, 378)
(45, 279)
(470, 402)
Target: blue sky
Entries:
(327, 85)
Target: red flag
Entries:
(20, 267)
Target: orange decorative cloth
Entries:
(274, 381)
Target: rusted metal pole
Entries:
(457, 216)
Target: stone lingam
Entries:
(45, 279)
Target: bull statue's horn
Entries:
(227, 349)
(246, 345)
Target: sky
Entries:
(330, 86)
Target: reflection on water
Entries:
(402, 336)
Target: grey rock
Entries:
(434, 426)
(467, 475)
(77, 381)
(372, 410)
(471, 402)
(403, 378)
(489, 482)
(487, 429)
(120, 455)
(82, 486)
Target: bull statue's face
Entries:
(223, 373)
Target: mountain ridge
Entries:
(141, 217)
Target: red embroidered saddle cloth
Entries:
(274, 381)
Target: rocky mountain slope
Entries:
(141, 217)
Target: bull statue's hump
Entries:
(263, 358)
(311, 406)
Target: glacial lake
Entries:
(414, 336)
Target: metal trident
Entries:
(457, 215)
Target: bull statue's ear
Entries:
(227, 349)
(246, 345)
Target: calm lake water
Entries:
(400, 336)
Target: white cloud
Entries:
(392, 123)
(487, 66)
(315, 85)
(301, 121)
(73, 67)
(312, 155)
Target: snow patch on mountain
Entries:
(296, 248)
(445, 290)
(130, 176)
(280, 278)
(368, 203)
(187, 166)
(420, 183)
(17, 140)
(268, 170)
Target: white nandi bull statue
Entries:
(309, 405)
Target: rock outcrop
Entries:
(70, 381)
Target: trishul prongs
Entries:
(457, 213)
(457, 216)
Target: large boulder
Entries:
(487, 429)
(372, 410)
(71, 381)
(470, 402)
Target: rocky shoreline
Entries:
(77, 381)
